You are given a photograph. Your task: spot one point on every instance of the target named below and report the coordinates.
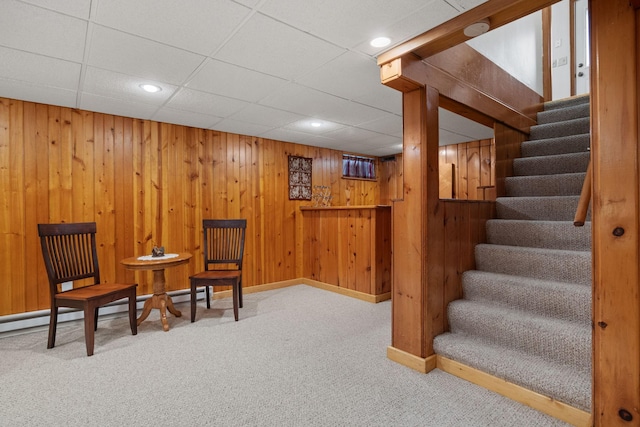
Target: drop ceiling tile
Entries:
(242, 128)
(299, 99)
(350, 113)
(123, 53)
(353, 134)
(199, 26)
(447, 137)
(77, 8)
(345, 23)
(265, 116)
(120, 107)
(387, 150)
(429, 16)
(468, 4)
(38, 69)
(248, 3)
(383, 98)
(288, 135)
(186, 118)
(389, 124)
(30, 28)
(306, 126)
(234, 82)
(27, 91)
(462, 126)
(196, 101)
(274, 48)
(350, 76)
(121, 86)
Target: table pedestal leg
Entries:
(159, 300)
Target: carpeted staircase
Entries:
(526, 312)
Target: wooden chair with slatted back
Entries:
(69, 252)
(223, 251)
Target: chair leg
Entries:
(53, 323)
(133, 322)
(208, 297)
(89, 328)
(193, 302)
(236, 299)
(240, 291)
(95, 319)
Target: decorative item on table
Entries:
(157, 251)
(321, 196)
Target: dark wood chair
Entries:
(69, 252)
(223, 250)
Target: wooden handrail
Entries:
(585, 198)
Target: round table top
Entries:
(157, 263)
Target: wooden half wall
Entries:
(146, 183)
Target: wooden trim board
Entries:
(545, 404)
(423, 365)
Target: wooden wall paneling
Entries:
(32, 240)
(16, 211)
(147, 183)
(486, 170)
(119, 189)
(106, 200)
(383, 247)
(364, 250)
(451, 250)
(5, 203)
(507, 148)
(462, 172)
(615, 213)
(43, 196)
(137, 238)
(473, 169)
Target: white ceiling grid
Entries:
(266, 68)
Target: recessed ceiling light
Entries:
(316, 124)
(150, 88)
(380, 42)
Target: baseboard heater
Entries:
(32, 319)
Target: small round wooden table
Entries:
(159, 299)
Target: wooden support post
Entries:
(417, 302)
(615, 213)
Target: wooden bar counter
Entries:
(349, 247)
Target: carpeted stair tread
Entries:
(567, 184)
(556, 145)
(552, 339)
(566, 102)
(567, 301)
(565, 113)
(525, 315)
(538, 263)
(552, 208)
(539, 234)
(551, 164)
(561, 382)
(565, 128)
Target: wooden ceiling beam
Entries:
(450, 33)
